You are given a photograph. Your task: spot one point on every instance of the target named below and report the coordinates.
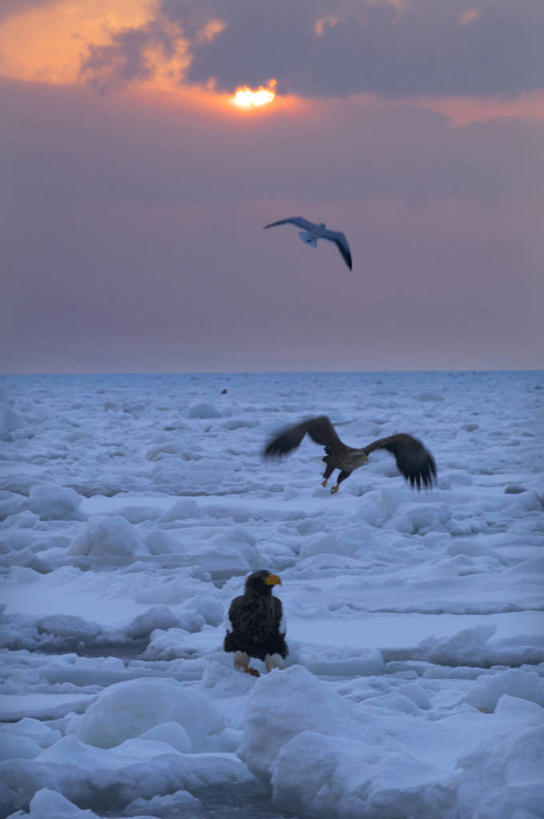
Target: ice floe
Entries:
(133, 507)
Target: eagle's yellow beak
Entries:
(272, 580)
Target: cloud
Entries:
(10, 7)
(137, 54)
(324, 48)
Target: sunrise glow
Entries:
(46, 43)
(247, 98)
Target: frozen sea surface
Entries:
(133, 507)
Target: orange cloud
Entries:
(464, 110)
(323, 23)
(209, 32)
(54, 43)
(46, 44)
(49, 44)
(469, 16)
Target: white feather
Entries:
(273, 661)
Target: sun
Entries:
(247, 99)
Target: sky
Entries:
(134, 187)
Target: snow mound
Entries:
(18, 747)
(171, 733)
(112, 538)
(157, 617)
(378, 506)
(171, 644)
(325, 776)
(160, 542)
(489, 688)
(464, 648)
(68, 627)
(284, 704)
(473, 647)
(341, 661)
(10, 421)
(129, 709)
(512, 769)
(10, 503)
(419, 518)
(51, 502)
(211, 608)
(46, 804)
(181, 509)
(42, 706)
(108, 779)
(26, 735)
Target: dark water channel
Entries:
(239, 802)
(230, 801)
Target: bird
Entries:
(255, 625)
(312, 231)
(414, 461)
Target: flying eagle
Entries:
(414, 461)
(311, 232)
(256, 627)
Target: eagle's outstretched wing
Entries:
(341, 243)
(305, 224)
(319, 429)
(414, 461)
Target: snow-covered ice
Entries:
(133, 507)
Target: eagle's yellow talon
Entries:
(252, 671)
(334, 490)
(324, 483)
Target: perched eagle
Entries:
(256, 627)
(414, 461)
(312, 231)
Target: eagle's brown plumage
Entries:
(256, 626)
(414, 461)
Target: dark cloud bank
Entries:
(459, 47)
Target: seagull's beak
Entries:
(272, 580)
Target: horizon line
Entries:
(272, 372)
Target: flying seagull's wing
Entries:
(319, 429)
(294, 220)
(414, 461)
(341, 242)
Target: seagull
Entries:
(312, 231)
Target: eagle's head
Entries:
(262, 582)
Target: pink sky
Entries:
(134, 194)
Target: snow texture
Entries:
(133, 507)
